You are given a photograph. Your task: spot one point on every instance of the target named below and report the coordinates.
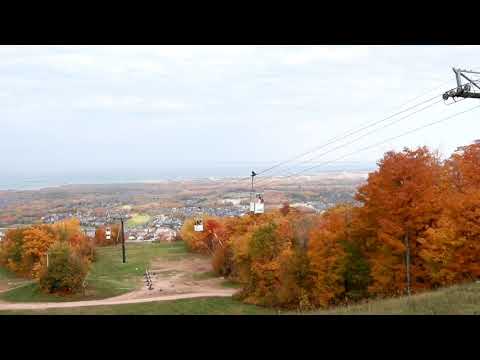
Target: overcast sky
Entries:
(89, 108)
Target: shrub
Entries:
(66, 270)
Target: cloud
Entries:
(302, 56)
(220, 102)
(128, 103)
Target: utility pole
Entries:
(123, 238)
(251, 192)
(463, 90)
(407, 262)
(123, 243)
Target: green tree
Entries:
(65, 272)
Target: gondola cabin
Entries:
(198, 225)
(258, 206)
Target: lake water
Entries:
(24, 181)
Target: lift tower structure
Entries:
(463, 90)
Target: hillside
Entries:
(456, 300)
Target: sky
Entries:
(130, 108)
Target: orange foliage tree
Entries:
(452, 248)
(206, 241)
(101, 239)
(400, 201)
(414, 204)
(24, 250)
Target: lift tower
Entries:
(465, 90)
(122, 233)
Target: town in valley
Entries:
(157, 211)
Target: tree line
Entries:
(58, 255)
(417, 227)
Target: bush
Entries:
(66, 270)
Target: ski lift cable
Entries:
(377, 144)
(266, 180)
(262, 181)
(361, 136)
(344, 135)
(354, 131)
(387, 140)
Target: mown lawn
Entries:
(200, 306)
(456, 300)
(138, 219)
(108, 276)
(9, 280)
(6, 275)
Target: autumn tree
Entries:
(83, 246)
(451, 249)
(24, 250)
(11, 251)
(65, 271)
(327, 255)
(206, 241)
(285, 209)
(101, 238)
(400, 201)
(414, 206)
(37, 241)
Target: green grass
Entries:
(455, 300)
(200, 306)
(6, 275)
(108, 276)
(138, 219)
(10, 280)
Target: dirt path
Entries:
(112, 301)
(171, 279)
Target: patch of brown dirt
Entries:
(170, 277)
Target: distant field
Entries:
(138, 219)
(108, 276)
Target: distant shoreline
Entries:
(18, 188)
